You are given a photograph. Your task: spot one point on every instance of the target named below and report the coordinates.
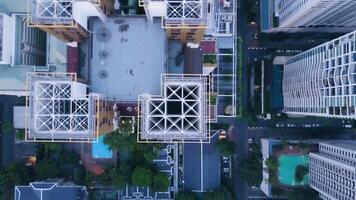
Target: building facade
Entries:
(185, 21)
(322, 81)
(333, 170)
(312, 15)
(60, 109)
(68, 21)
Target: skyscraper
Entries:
(333, 170)
(322, 81)
(304, 15)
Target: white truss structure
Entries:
(180, 114)
(185, 12)
(184, 9)
(59, 109)
(51, 11)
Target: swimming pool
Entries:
(101, 150)
(286, 169)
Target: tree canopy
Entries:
(160, 182)
(219, 194)
(142, 176)
(300, 172)
(272, 163)
(45, 169)
(13, 174)
(251, 171)
(185, 195)
(225, 147)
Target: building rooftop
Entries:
(60, 109)
(126, 62)
(185, 12)
(179, 113)
(13, 79)
(50, 191)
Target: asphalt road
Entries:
(7, 140)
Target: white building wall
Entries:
(156, 9)
(82, 10)
(333, 170)
(314, 13)
(322, 80)
(8, 40)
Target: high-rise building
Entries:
(301, 15)
(333, 170)
(60, 109)
(322, 81)
(183, 20)
(67, 19)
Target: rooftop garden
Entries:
(126, 125)
(209, 59)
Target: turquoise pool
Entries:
(286, 169)
(101, 150)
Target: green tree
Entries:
(45, 169)
(126, 126)
(142, 176)
(69, 157)
(185, 195)
(219, 194)
(117, 178)
(251, 171)
(49, 149)
(302, 194)
(225, 147)
(160, 182)
(7, 126)
(116, 140)
(20, 135)
(272, 163)
(300, 172)
(11, 175)
(276, 191)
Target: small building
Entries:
(57, 190)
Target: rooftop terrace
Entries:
(128, 57)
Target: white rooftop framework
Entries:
(68, 13)
(51, 11)
(60, 109)
(189, 12)
(180, 114)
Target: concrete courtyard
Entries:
(128, 57)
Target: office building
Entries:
(308, 15)
(333, 170)
(322, 81)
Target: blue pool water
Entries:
(100, 150)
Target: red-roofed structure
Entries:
(208, 47)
